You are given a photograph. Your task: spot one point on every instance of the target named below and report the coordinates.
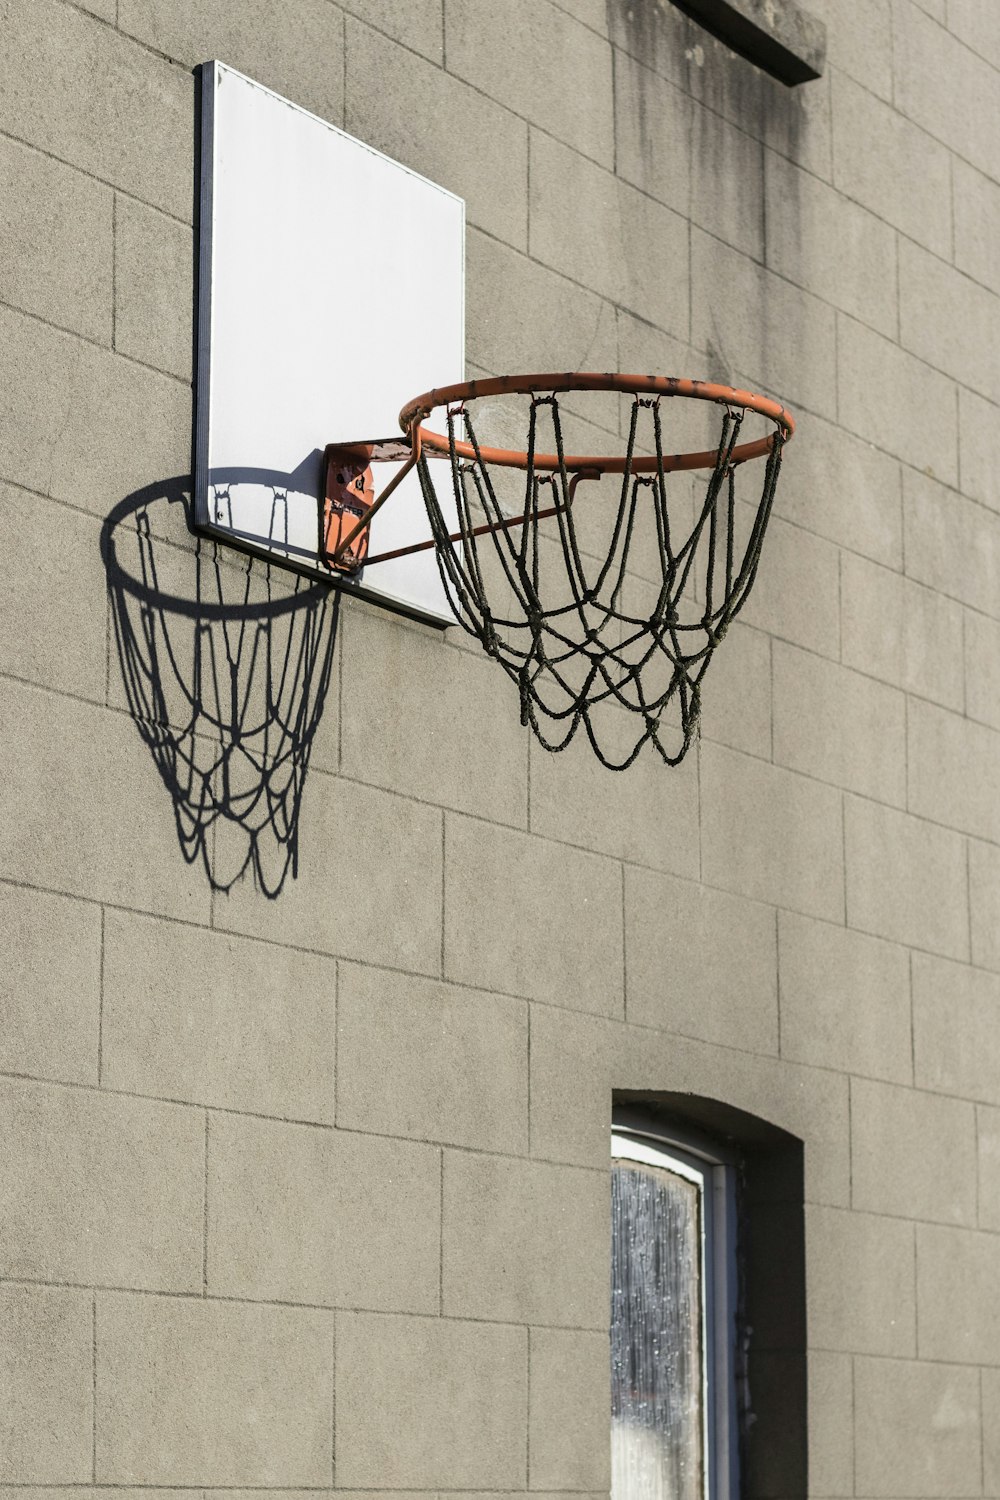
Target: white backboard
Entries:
(331, 291)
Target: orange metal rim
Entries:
(416, 411)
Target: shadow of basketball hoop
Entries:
(225, 665)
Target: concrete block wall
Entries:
(311, 1193)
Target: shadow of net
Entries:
(225, 666)
(604, 606)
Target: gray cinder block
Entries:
(951, 1059)
(899, 403)
(523, 316)
(950, 321)
(74, 88)
(862, 1289)
(236, 1393)
(931, 69)
(895, 169)
(828, 974)
(984, 903)
(567, 1422)
(72, 411)
(571, 101)
(292, 58)
(203, 1016)
(430, 1401)
(954, 777)
(57, 249)
(591, 226)
(976, 23)
(58, 809)
(930, 1175)
(988, 1141)
(900, 631)
(958, 1296)
(734, 300)
(870, 65)
(700, 962)
(787, 842)
(906, 879)
(521, 1242)
(100, 1189)
(302, 1214)
(65, 649)
(154, 260)
(46, 1381)
(952, 544)
(565, 946)
(831, 1422)
(50, 986)
(917, 1427)
(819, 239)
(653, 129)
(453, 1062)
(395, 102)
(573, 799)
(808, 612)
(578, 1061)
(976, 427)
(736, 703)
(977, 205)
(399, 857)
(838, 725)
(846, 490)
(429, 695)
(732, 160)
(991, 1427)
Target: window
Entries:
(673, 1316)
(708, 1316)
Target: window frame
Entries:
(641, 1138)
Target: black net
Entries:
(633, 628)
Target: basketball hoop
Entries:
(620, 630)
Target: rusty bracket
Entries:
(347, 497)
(349, 504)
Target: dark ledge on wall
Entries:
(778, 35)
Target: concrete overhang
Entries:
(778, 35)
